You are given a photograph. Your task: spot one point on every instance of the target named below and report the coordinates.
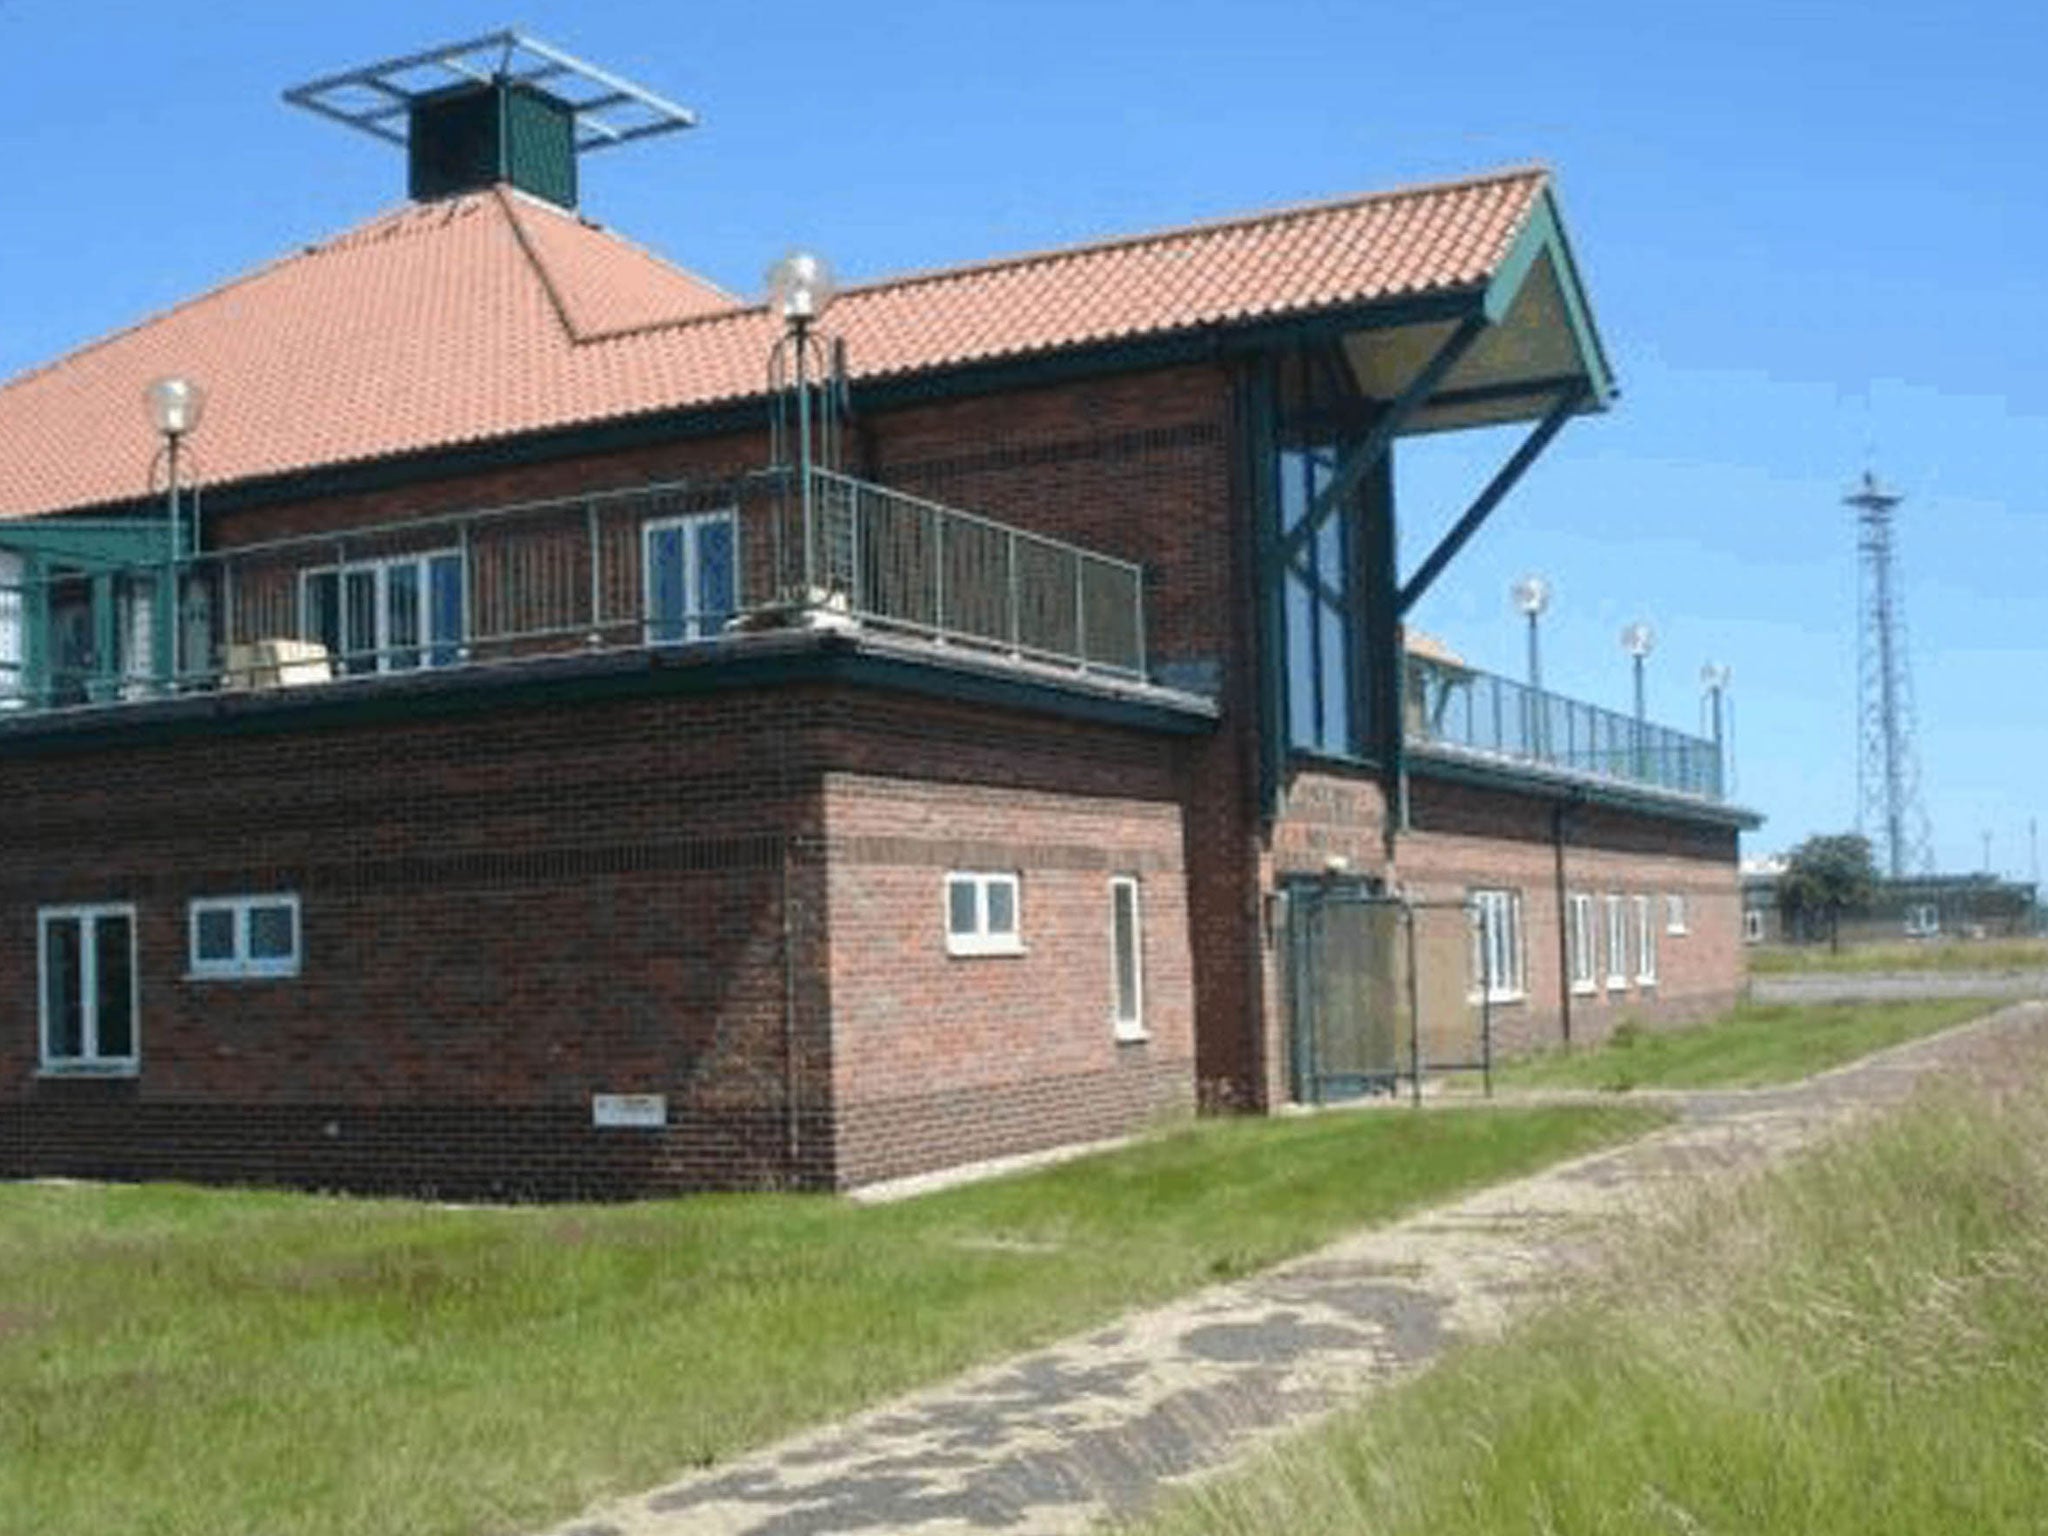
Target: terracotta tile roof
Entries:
(493, 315)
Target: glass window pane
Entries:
(668, 602)
(359, 620)
(321, 618)
(1002, 907)
(273, 932)
(960, 907)
(1124, 944)
(113, 943)
(715, 595)
(63, 999)
(214, 934)
(1336, 643)
(402, 616)
(1301, 664)
(448, 626)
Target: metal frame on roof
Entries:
(378, 98)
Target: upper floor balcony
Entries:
(1456, 710)
(654, 566)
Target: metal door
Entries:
(1346, 947)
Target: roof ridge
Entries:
(518, 205)
(539, 268)
(346, 240)
(1197, 227)
(1120, 242)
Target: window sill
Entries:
(90, 1070)
(984, 949)
(1132, 1034)
(1585, 989)
(225, 975)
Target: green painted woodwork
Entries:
(580, 681)
(1531, 781)
(90, 543)
(1544, 234)
(540, 145)
(470, 137)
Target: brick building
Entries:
(497, 763)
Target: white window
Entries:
(690, 568)
(1617, 944)
(1126, 960)
(387, 615)
(983, 915)
(1585, 949)
(1646, 941)
(1674, 914)
(1497, 945)
(235, 936)
(1753, 926)
(88, 995)
(1923, 919)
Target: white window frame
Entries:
(1646, 941)
(981, 941)
(381, 655)
(1753, 925)
(1617, 943)
(1584, 943)
(1499, 956)
(1675, 913)
(1129, 1024)
(1923, 919)
(691, 525)
(242, 965)
(89, 1061)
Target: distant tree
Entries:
(1825, 877)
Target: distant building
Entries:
(1918, 907)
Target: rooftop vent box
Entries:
(469, 137)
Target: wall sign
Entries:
(629, 1111)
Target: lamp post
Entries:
(175, 405)
(800, 288)
(1531, 595)
(1638, 639)
(1714, 678)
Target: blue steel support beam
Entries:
(1370, 449)
(1566, 404)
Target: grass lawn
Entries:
(178, 1360)
(1949, 955)
(1756, 1044)
(1856, 1344)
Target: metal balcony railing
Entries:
(1465, 710)
(658, 565)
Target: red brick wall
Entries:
(1466, 838)
(1144, 467)
(508, 911)
(1011, 1051)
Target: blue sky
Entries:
(1813, 234)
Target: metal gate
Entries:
(1381, 989)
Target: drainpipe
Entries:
(1558, 812)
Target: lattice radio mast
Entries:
(1889, 811)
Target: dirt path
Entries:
(1055, 1440)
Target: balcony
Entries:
(1457, 711)
(655, 566)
